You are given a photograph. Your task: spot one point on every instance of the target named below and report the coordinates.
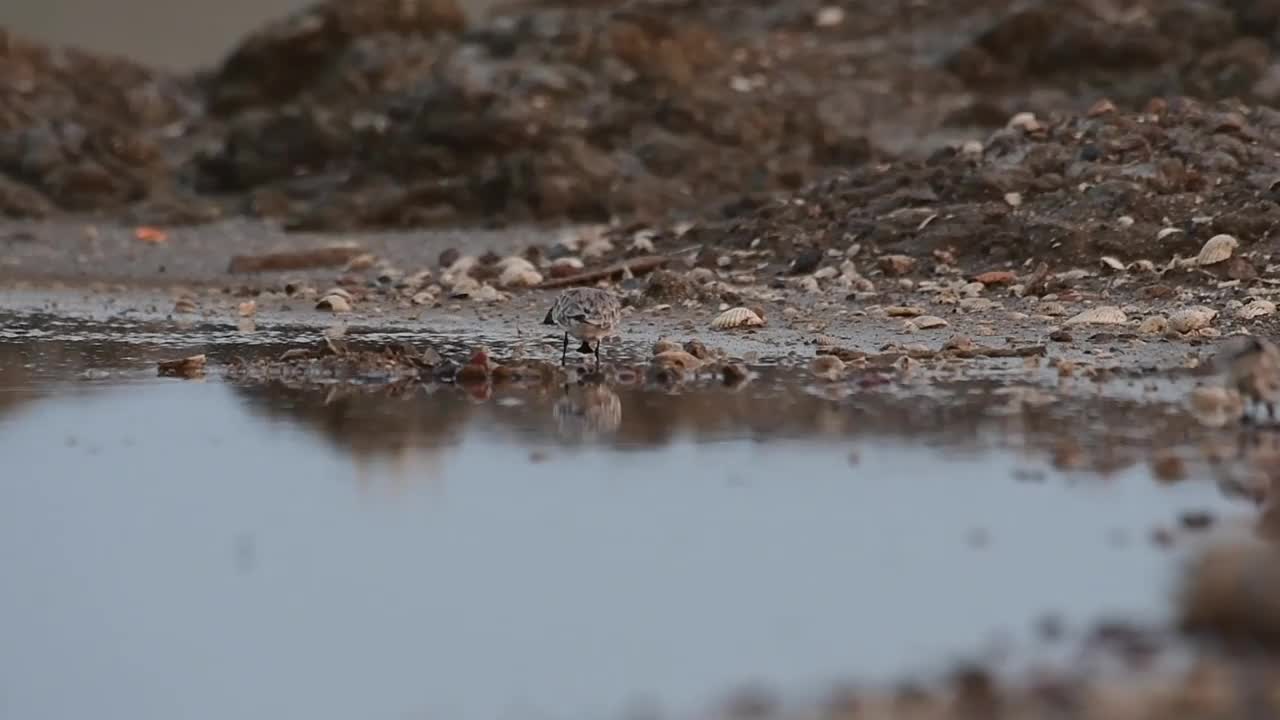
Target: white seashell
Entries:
(1014, 199)
(1219, 248)
(566, 266)
(486, 293)
(464, 285)
(642, 241)
(1112, 263)
(1256, 309)
(735, 318)
(516, 276)
(1103, 315)
(928, 322)
(334, 303)
(514, 261)
(340, 292)
(1192, 318)
(1166, 232)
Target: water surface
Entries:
(206, 549)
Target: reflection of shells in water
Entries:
(587, 411)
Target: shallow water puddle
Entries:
(201, 549)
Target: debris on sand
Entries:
(187, 367)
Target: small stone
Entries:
(896, 264)
(928, 322)
(1154, 325)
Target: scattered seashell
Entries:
(514, 261)
(928, 322)
(249, 308)
(518, 276)
(735, 318)
(1112, 263)
(334, 303)
(1014, 199)
(426, 297)
(1166, 232)
(959, 342)
(1154, 325)
(1192, 318)
(829, 16)
(1025, 121)
(185, 305)
(827, 367)
(1102, 315)
(1217, 249)
(642, 242)
(1256, 309)
(486, 293)
(566, 266)
(340, 292)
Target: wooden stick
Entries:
(637, 266)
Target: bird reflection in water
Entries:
(587, 411)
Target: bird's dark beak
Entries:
(549, 320)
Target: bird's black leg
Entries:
(597, 354)
(1271, 411)
(564, 352)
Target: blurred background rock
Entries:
(176, 34)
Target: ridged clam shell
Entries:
(1192, 318)
(1104, 315)
(735, 318)
(1217, 249)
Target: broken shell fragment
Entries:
(735, 318)
(1192, 318)
(1102, 315)
(1256, 309)
(928, 322)
(1217, 249)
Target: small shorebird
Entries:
(587, 314)
(1252, 367)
